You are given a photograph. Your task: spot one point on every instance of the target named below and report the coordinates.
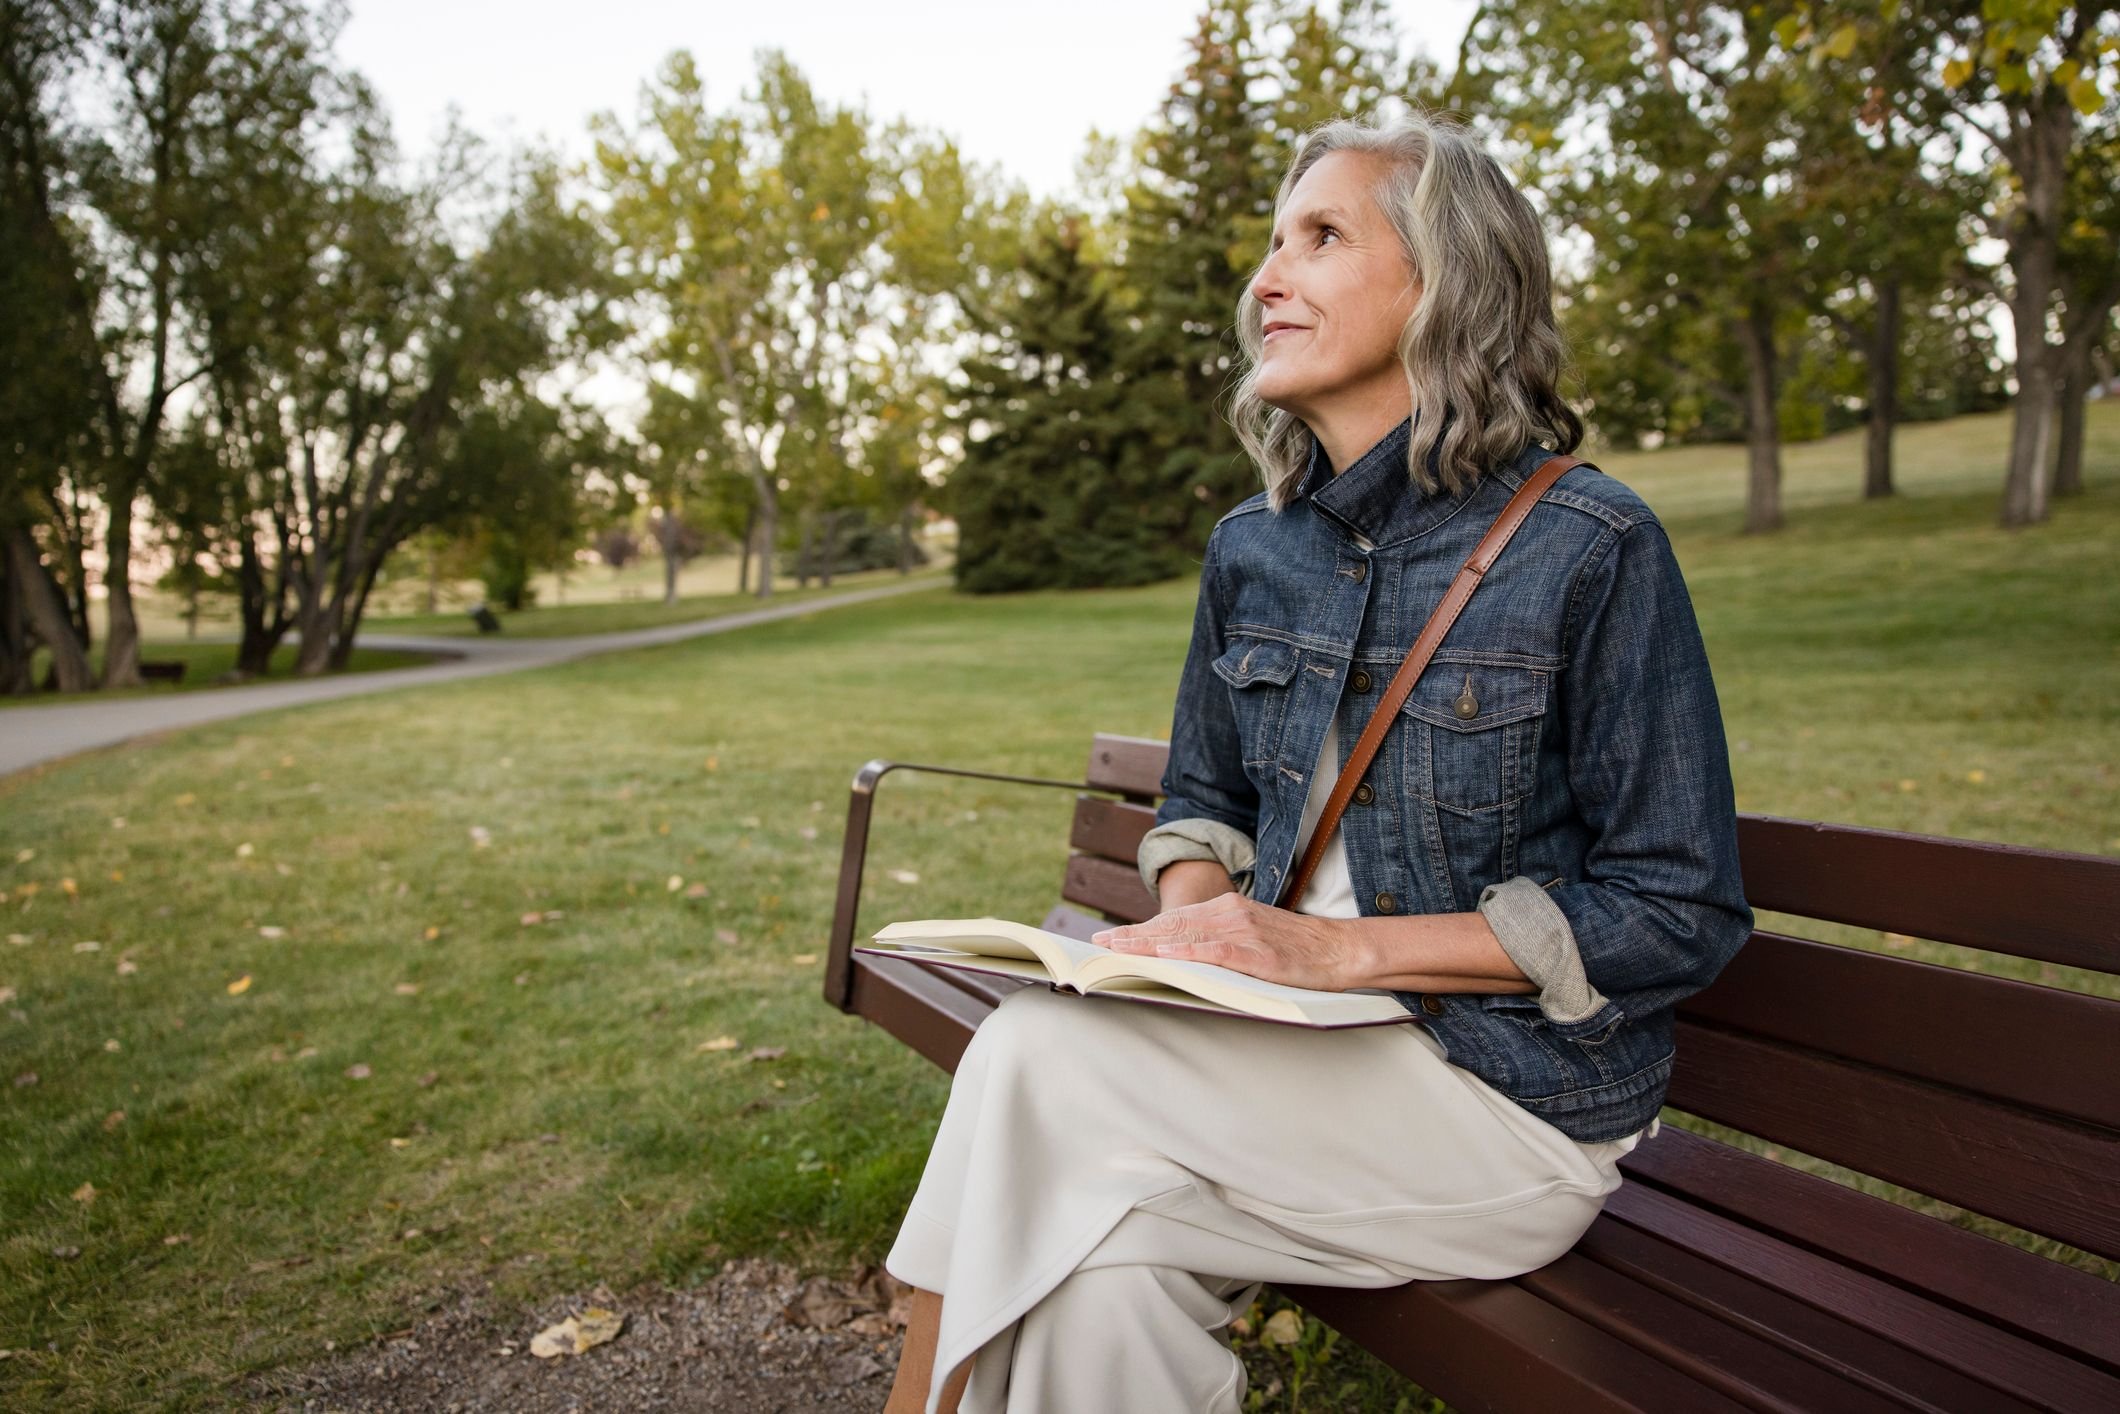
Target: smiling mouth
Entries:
(1283, 329)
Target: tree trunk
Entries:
(16, 678)
(1884, 394)
(768, 530)
(259, 640)
(1762, 421)
(121, 647)
(45, 612)
(666, 536)
(743, 563)
(2075, 387)
(2041, 163)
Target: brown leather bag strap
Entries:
(1468, 579)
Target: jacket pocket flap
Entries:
(1256, 660)
(1471, 697)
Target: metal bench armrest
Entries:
(839, 965)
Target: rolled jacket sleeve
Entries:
(1210, 808)
(1660, 907)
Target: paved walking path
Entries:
(30, 735)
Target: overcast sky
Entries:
(1018, 86)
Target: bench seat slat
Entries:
(2048, 1176)
(2056, 1306)
(1742, 1363)
(1839, 1313)
(1493, 1348)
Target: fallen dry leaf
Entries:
(725, 935)
(808, 832)
(86, 1193)
(674, 883)
(241, 985)
(905, 876)
(408, 989)
(431, 934)
(695, 891)
(69, 888)
(1283, 1327)
(765, 1053)
(803, 959)
(577, 1333)
(245, 850)
(89, 945)
(7, 994)
(719, 1043)
(481, 837)
(428, 1079)
(358, 1071)
(25, 855)
(112, 1045)
(127, 967)
(272, 931)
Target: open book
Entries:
(1009, 949)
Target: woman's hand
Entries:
(1244, 935)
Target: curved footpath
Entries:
(31, 735)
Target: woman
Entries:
(1539, 862)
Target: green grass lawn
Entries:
(613, 616)
(317, 1070)
(203, 662)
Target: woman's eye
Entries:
(1324, 231)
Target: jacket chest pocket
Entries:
(1472, 738)
(1258, 671)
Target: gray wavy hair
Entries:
(1482, 344)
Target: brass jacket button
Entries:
(1364, 793)
(1387, 904)
(1432, 1004)
(1465, 704)
(1360, 681)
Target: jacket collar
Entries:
(1376, 497)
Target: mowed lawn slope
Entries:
(317, 1069)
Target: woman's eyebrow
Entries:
(1323, 215)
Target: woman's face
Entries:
(1337, 288)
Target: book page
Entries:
(1094, 968)
(1239, 991)
(995, 937)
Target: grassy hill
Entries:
(332, 1010)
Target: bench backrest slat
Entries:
(2025, 1168)
(2036, 903)
(1990, 1036)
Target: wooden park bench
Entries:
(1715, 1278)
(162, 669)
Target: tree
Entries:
(1676, 141)
(1058, 468)
(2017, 79)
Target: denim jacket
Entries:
(1560, 766)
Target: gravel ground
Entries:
(755, 1339)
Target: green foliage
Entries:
(1060, 485)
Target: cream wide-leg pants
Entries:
(1111, 1183)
